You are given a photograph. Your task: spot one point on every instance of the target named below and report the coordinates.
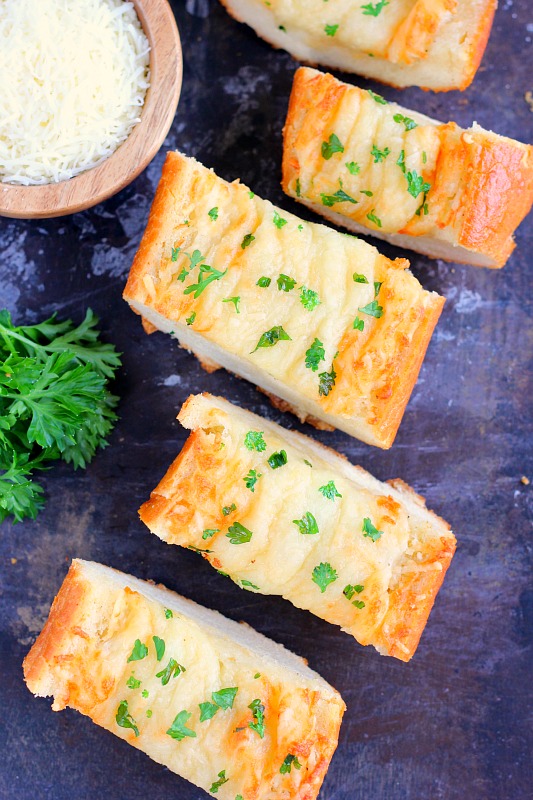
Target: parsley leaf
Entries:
(353, 167)
(323, 575)
(375, 10)
(351, 589)
(132, 682)
(359, 324)
(191, 319)
(329, 491)
(251, 479)
(358, 278)
(224, 698)
(309, 298)
(373, 309)
(234, 300)
(278, 221)
(377, 97)
(407, 121)
(221, 781)
(416, 184)
(178, 730)
(285, 283)
(249, 585)
(340, 196)
(289, 762)
(209, 532)
(401, 161)
(124, 719)
(207, 710)
(206, 276)
(314, 355)
(159, 647)
(332, 146)
(298, 188)
(277, 460)
(379, 155)
(139, 651)
(254, 441)
(248, 239)
(370, 531)
(264, 282)
(327, 382)
(372, 217)
(238, 534)
(213, 213)
(331, 30)
(168, 613)
(272, 337)
(367, 192)
(229, 509)
(258, 712)
(172, 670)
(307, 525)
(377, 287)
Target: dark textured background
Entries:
(455, 721)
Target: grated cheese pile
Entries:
(73, 78)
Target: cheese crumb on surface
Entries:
(74, 75)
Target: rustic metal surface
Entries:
(452, 723)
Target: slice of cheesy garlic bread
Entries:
(435, 44)
(211, 699)
(312, 316)
(375, 167)
(281, 514)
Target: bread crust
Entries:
(481, 184)
(438, 45)
(87, 668)
(194, 497)
(375, 366)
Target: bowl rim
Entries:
(134, 154)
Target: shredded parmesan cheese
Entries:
(73, 78)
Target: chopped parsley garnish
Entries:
(331, 30)
(159, 647)
(207, 275)
(168, 613)
(224, 698)
(289, 762)
(197, 549)
(401, 161)
(209, 532)
(372, 217)
(308, 463)
(254, 441)
(370, 531)
(139, 651)
(278, 221)
(238, 534)
(217, 784)
(285, 283)
(367, 192)
(248, 239)
(257, 675)
(258, 712)
(333, 145)
(340, 196)
(377, 287)
(251, 479)
(379, 155)
(272, 337)
(353, 167)
(300, 227)
(358, 278)
(329, 491)
(424, 157)
(374, 10)
(213, 213)
(172, 670)
(195, 259)
(416, 184)
(175, 253)
(249, 585)
(149, 713)
(132, 682)
(145, 693)
(251, 195)
(314, 355)
(323, 575)
(124, 719)
(327, 382)
(407, 121)
(350, 590)
(359, 324)
(178, 730)
(307, 525)
(229, 509)
(264, 282)
(298, 188)
(235, 301)
(207, 710)
(309, 298)
(277, 460)
(377, 97)
(191, 319)
(373, 309)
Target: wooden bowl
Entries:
(122, 167)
